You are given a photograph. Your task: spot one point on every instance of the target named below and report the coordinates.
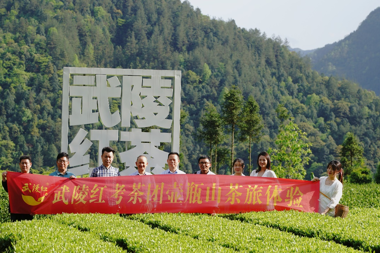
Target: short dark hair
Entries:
(173, 153)
(108, 149)
(62, 154)
(240, 161)
(266, 155)
(23, 157)
(204, 157)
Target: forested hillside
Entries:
(356, 57)
(38, 38)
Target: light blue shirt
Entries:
(136, 173)
(59, 174)
(173, 173)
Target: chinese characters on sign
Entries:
(40, 194)
(122, 102)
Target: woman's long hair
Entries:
(336, 166)
(266, 155)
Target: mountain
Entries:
(38, 38)
(302, 52)
(356, 57)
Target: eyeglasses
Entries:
(62, 161)
(204, 163)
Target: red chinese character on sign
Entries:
(234, 194)
(26, 188)
(135, 194)
(274, 196)
(60, 195)
(97, 193)
(119, 191)
(157, 193)
(253, 195)
(79, 193)
(294, 196)
(175, 193)
(193, 193)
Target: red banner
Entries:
(38, 194)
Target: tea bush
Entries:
(237, 235)
(49, 236)
(360, 229)
(135, 236)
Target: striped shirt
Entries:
(102, 171)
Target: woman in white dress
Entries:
(238, 166)
(263, 163)
(330, 188)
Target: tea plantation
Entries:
(288, 231)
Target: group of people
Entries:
(331, 187)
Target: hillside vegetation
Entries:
(285, 231)
(356, 57)
(39, 37)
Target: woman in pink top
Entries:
(263, 163)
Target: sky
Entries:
(306, 24)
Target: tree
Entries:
(250, 125)
(231, 109)
(212, 130)
(282, 113)
(206, 73)
(351, 153)
(361, 176)
(377, 175)
(292, 153)
(7, 147)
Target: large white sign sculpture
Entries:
(147, 97)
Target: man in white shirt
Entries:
(204, 165)
(173, 162)
(141, 164)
